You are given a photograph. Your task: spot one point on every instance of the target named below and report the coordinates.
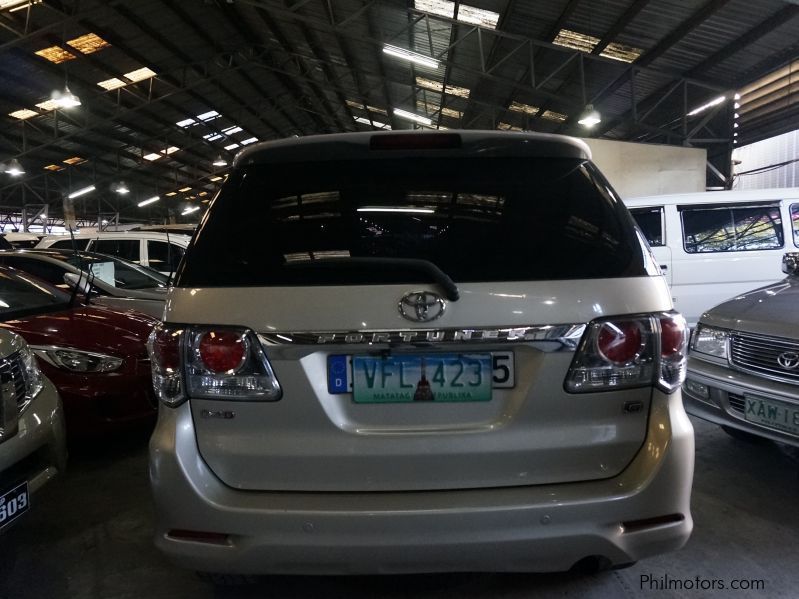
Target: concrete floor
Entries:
(89, 536)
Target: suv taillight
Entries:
(210, 363)
(631, 351)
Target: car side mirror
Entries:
(790, 263)
(74, 281)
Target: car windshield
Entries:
(22, 294)
(475, 219)
(117, 273)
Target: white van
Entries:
(159, 251)
(712, 246)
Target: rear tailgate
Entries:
(317, 437)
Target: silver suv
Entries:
(419, 352)
(743, 371)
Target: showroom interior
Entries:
(124, 121)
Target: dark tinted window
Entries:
(477, 219)
(22, 294)
(650, 221)
(163, 256)
(730, 229)
(795, 223)
(127, 249)
(52, 273)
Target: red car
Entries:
(95, 356)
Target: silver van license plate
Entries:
(13, 504)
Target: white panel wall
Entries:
(649, 169)
(769, 155)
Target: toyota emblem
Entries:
(789, 360)
(422, 306)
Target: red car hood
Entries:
(89, 328)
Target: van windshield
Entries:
(476, 219)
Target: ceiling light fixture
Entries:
(65, 99)
(121, 188)
(151, 200)
(80, 192)
(14, 168)
(409, 55)
(410, 116)
(589, 117)
(189, 210)
(396, 209)
(711, 104)
(220, 161)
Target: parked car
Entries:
(32, 439)
(743, 371)
(21, 240)
(156, 250)
(111, 281)
(420, 352)
(95, 356)
(715, 245)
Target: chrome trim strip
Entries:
(562, 337)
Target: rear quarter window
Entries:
(490, 219)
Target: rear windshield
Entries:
(477, 219)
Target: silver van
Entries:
(419, 352)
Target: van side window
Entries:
(795, 223)
(163, 256)
(650, 221)
(67, 244)
(127, 249)
(731, 229)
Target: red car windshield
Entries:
(21, 294)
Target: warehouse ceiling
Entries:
(168, 87)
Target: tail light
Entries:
(638, 351)
(210, 363)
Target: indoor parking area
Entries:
(399, 298)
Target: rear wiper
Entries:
(422, 266)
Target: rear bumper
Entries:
(725, 403)
(522, 529)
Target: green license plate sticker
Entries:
(773, 414)
(422, 378)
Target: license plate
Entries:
(773, 414)
(13, 504)
(421, 378)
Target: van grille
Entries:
(761, 355)
(737, 402)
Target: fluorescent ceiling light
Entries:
(172, 193)
(219, 161)
(396, 209)
(590, 117)
(112, 83)
(411, 56)
(208, 116)
(171, 150)
(551, 115)
(186, 122)
(55, 54)
(232, 146)
(151, 200)
(80, 192)
(711, 104)
(249, 141)
(184, 189)
(190, 210)
(412, 116)
(507, 127)
(212, 136)
(89, 43)
(74, 160)
(54, 167)
(378, 124)
(232, 130)
(152, 157)
(121, 188)
(23, 114)
(217, 178)
(140, 74)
